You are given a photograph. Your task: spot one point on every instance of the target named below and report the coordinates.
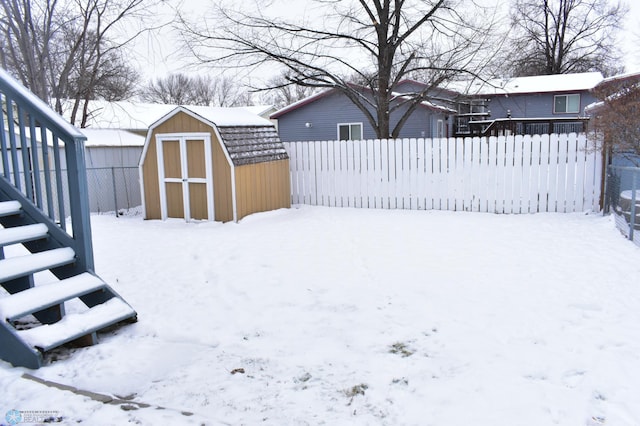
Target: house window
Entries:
(566, 104)
(440, 129)
(349, 131)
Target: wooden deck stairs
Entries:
(49, 293)
(34, 318)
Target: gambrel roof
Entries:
(247, 137)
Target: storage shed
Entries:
(213, 164)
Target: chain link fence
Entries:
(622, 199)
(113, 189)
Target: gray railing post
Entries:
(79, 201)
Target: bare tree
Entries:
(380, 41)
(173, 89)
(27, 33)
(182, 89)
(615, 118)
(565, 36)
(281, 92)
(72, 49)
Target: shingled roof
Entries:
(247, 137)
(252, 144)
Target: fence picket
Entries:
(580, 176)
(528, 157)
(428, 174)
(458, 174)
(509, 173)
(420, 176)
(552, 184)
(519, 148)
(483, 176)
(561, 187)
(472, 167)
(409, 153)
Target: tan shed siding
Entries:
(183, 123)
(262, 187)
(223, 202)
(150, 177)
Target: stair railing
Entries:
(42, 164)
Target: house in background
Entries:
(523, 105)
(526, 105)
(330, 115)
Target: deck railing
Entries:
(31, 169)
(526, 126)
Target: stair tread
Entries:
(9, 207)
(39, 297)
(19, 266)
(73, 326)
(20, 234)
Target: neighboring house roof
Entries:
(261, 110)
(528, 85)
(614, 85)
(95, 138)
(138, 115)
(248, 138)
(121, 114)
(111, 138)
(320, 95)
(302, 102)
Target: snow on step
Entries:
(9, 207)
(22, 233)
(43, 296)
(19, 266)
(74, 326)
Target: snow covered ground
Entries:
(340, 316)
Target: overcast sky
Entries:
(161, 54)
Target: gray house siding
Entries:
(536, 105)
(319, 120)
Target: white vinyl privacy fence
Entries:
(507, 174)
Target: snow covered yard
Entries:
(341, 316)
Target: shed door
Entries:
(185, 176)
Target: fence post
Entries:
(632, 221)
(115, 192)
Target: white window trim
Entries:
(440, 128)
(566, 103)
(349, 124)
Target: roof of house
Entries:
(324, 93)
(111, 138)
(248, 138)
(138, 115)
(614, 87)
(534, 84)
